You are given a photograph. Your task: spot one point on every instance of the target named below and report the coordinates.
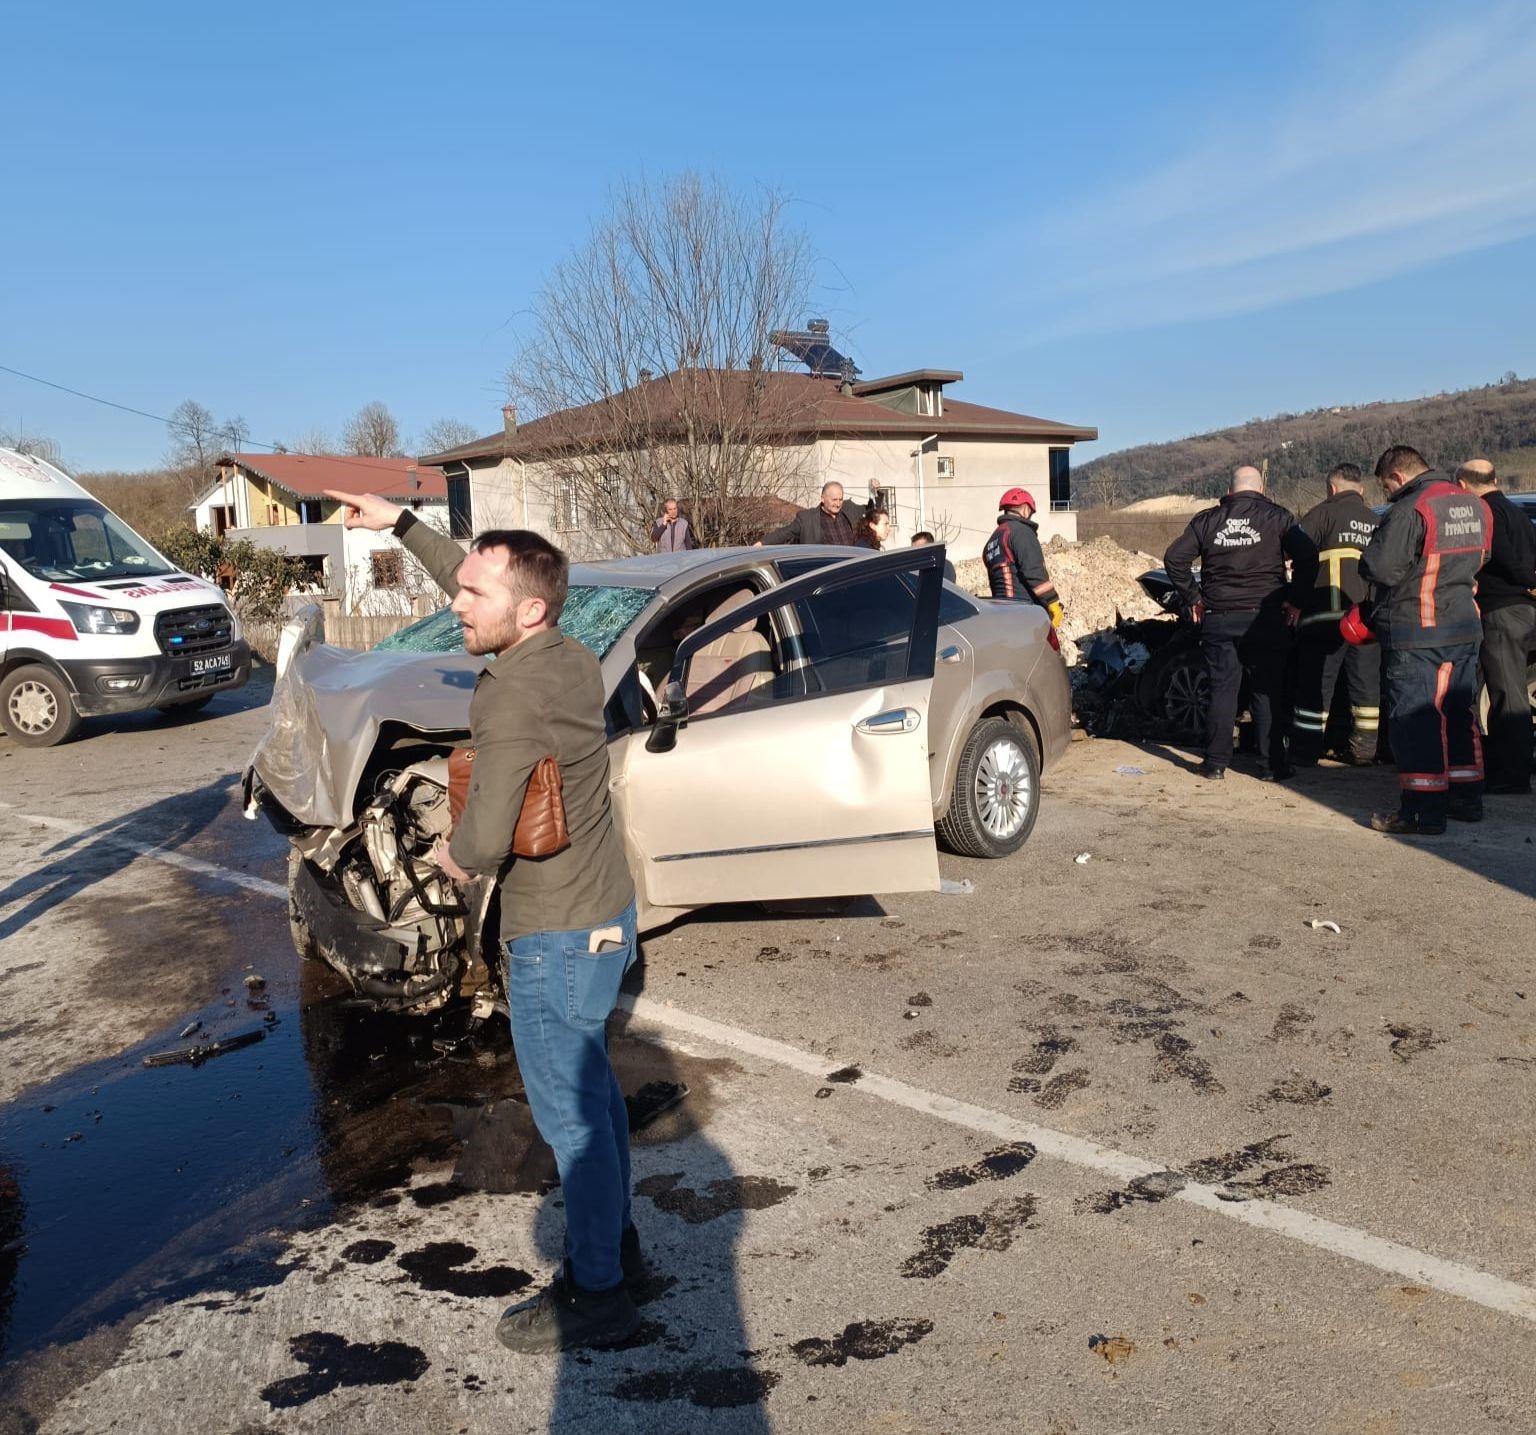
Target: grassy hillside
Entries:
(1497, 422)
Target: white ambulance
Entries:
(92, 619)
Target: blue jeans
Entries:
(561, 994)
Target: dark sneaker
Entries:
(1276, 774)
(564, 1317)
(1465, 811)
(1212, 770)
(1405, 824)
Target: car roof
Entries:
(665, 572)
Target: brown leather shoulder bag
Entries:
(541, 829)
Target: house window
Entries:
(309, 510)
(274, 515)
(460, 524)
(388, 568)
(221, 522)
(568, 506)
(946, 466)
(612, 486)
(1061, 480)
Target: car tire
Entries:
(996, 797)
(1185, 694)
(187, 708)
(298, 928)
(36, 707)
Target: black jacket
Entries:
(1016, 563)
(1424, 561)
(806, 527)
(1242, 545)
(1510, 571)
(1340, 527)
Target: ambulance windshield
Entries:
(64, 539)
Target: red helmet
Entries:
(1353, 629)
(1017, 498)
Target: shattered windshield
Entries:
(59, 539)
(595, 617)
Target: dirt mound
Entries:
(1169, 503)
(1097, 583)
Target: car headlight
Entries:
(236, 627)
(88, 618)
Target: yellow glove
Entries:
(1057, 613)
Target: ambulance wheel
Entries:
(36, 707)
(185, 709)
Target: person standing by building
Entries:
(1340, 527)
(874, 530)
(832, 521)
(567, 920)
(1423, 562)
(1014, 558)
(1506, 595)
(1246, 609)
(672, 533)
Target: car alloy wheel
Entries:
(1187, 696)
(1004, 789)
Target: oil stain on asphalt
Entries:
(993, 1229)
(996, 1165)
(440, 1266)
(335, 1362)
(719, 1198)
(862, 1340)
(709, 1387)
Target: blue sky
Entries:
(1156, 219)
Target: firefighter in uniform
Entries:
(1015, 561)
(1246, 609)
(1423, 563)
(1341, 526)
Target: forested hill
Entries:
(1497, 422)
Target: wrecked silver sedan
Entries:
(784, 723)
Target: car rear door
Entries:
(818, 785)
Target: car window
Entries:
(858, 635)
(71, 539)
(593, 615)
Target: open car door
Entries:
(814, 784)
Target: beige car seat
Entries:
(726, 671)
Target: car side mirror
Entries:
(672, 716)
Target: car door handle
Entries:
(897, 720)
(949, 655)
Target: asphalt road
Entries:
(1115, 1145)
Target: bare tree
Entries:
(373, 432)
(1102, 487)
(653, 368)
(312, 441)
(443, 434)
(35, 444)
(197, 440)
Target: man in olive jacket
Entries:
(567, 921)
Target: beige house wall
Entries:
(962, 510)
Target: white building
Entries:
(277, 500)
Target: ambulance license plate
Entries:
(214, 663)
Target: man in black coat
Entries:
(1506, 596)
(1246, 610)
(832, 521)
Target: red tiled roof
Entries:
(810, 407)
(307, 475)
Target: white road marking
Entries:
(160, 853)
(1451, 1277)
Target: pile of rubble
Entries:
(1097, 583)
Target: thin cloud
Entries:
(1416, 159)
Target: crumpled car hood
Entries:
(327, 708)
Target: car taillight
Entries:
(1051, 638)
